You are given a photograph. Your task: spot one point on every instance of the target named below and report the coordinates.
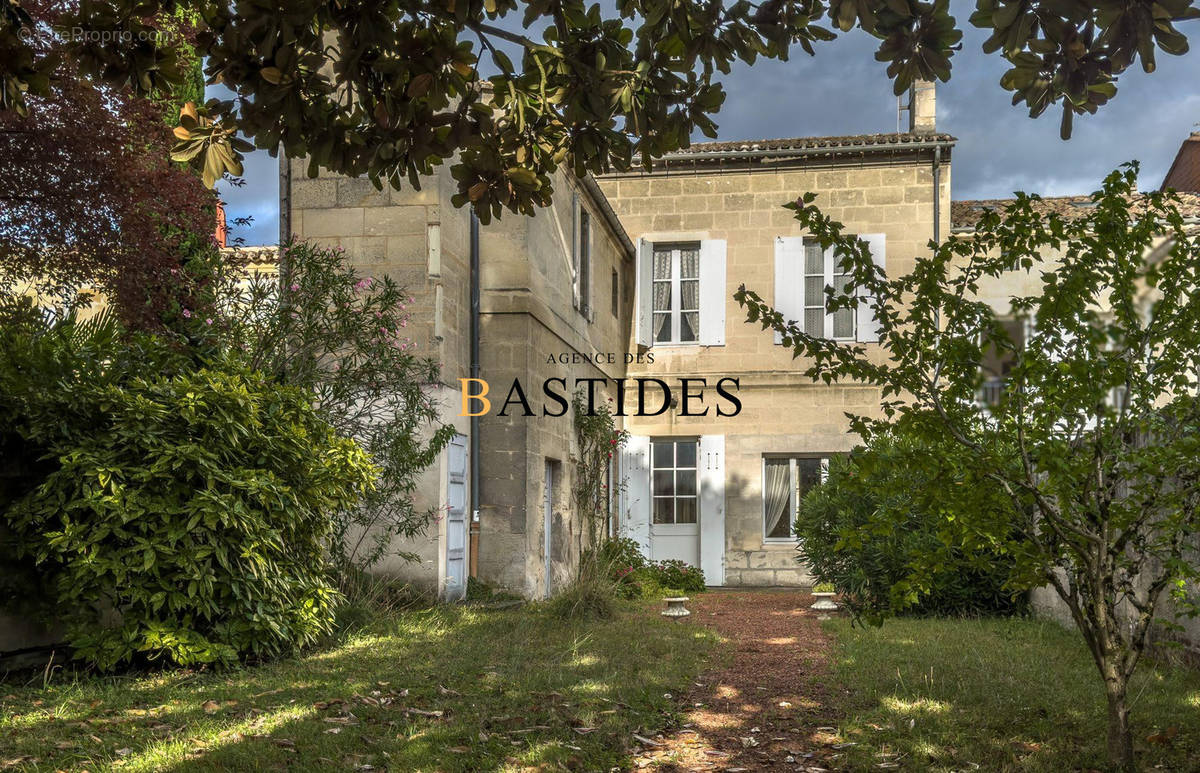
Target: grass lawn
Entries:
(450, 688)
(1014, 694)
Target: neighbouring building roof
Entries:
(802, 146)
(965, 214)
(1184, 174)
(267, 254)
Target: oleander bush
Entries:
(864, 528)
(347, 339)
(170, 510)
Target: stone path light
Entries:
(675, 608)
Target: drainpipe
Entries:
(937, 214)
(937, 192)
(473, 453)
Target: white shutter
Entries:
(712, 508)
(712, 292)
(643, 293)
(635, 469)
(575, 299)
(867, 325)
(789, 279)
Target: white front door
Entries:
(456, 520)
(674, 500)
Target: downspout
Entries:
(937, 193)
(937, 214)
(473, 452)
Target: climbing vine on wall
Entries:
(599, 442)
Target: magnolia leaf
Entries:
(419, 85)
(477, 191)
(188, 113)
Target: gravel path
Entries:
(766, 706)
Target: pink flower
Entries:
(187, 314)
(295, 287)
(363, 283)
(404, 323)
(208, 321)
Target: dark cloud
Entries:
(843, 90)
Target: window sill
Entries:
(778, 543)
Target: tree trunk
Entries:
(1120, 738)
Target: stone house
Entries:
(551, 291)
(629, 278)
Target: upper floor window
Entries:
(581, 257)
(585, 262)
(616, 293)
(802, 272)
(681, 293)
(676, 293)
(998, 360)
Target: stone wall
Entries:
(529, 321)
(783, 412)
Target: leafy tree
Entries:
(1099, 405)
(89, 197)
(392, 89)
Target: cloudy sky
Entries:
(843, 90)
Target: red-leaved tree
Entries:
(90, 199)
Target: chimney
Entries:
(922, 108)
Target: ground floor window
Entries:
(673, 480)
(786, 479)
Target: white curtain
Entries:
(777, 496)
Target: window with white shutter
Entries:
(682, 293)
(802, 272)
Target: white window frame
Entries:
(676, 310)
(674, 496)
(794, 485)
(830, 272)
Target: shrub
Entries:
(678, 575)
(862, 530)
(178, 513)
(635, 577)
(346, 339)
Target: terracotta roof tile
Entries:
(965, 214)
(874, 141)
(1185, 171)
